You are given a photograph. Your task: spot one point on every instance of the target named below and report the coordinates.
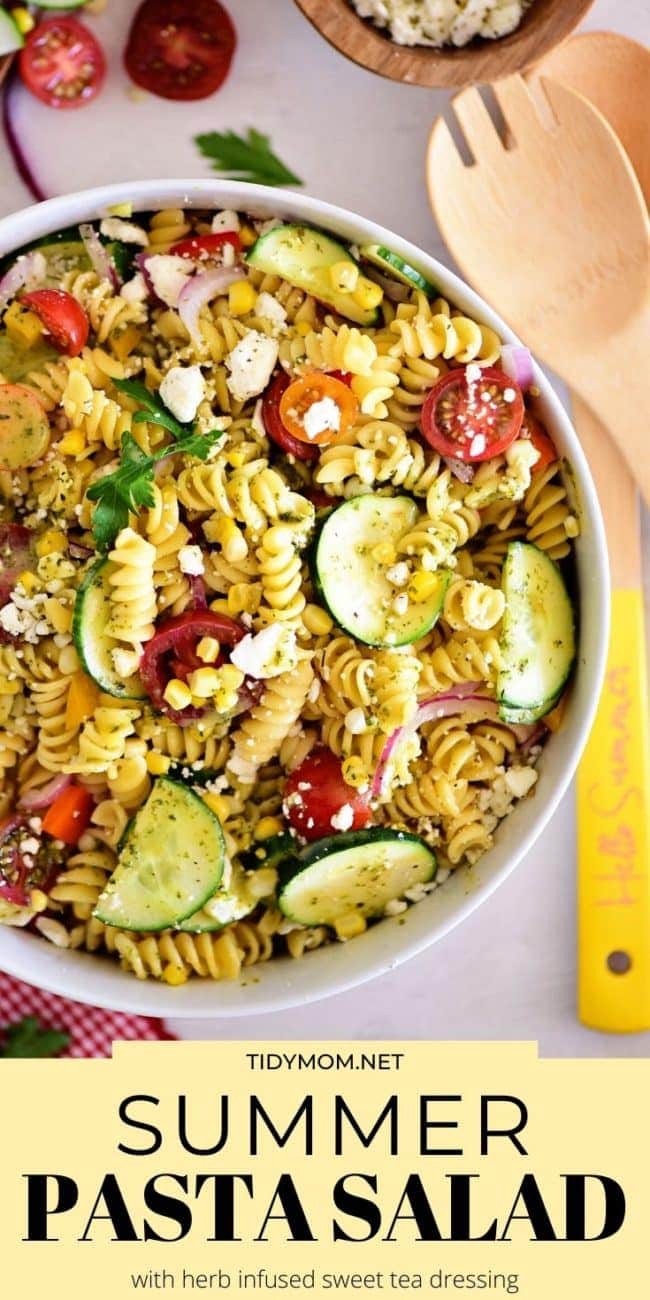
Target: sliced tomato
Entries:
(320, 499)
(62, 316)
(202, 247)
(16, 556)
(316, 791)
(306, 392)
(533, 428)
(180, 49)
(273, 423)
(473, 419)
(26, 860)
(171, 652)
(62, 63)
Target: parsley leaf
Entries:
(28, 1038)
(245, 158)
(131, 485)
(154, 410)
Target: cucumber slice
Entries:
(170, 864)
(272, 852)
(61, 4)
(62, 256)
(303, 256)
(92, 642)
(360, 871)
(538, 640)
(11, 38)
(353, 584)
(392, 264)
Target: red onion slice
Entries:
(461, 469)
(29, 269)
(43, 797)
(464, 698)
(99, 257)
(517, 363)
(200, 289)
(15, 148)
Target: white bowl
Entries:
(284, 982)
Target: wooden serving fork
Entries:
(538, 230)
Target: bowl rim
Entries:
(539, 31)
(79, 975)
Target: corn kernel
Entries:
(344, 276)
(174, 975)
(241, 298)
(22, 326)
(244, 598)
(231, 676)
(28, 582)
(236, 459)
(217, 804)
(247, 235)
(208, 649)
(51, 540)
(384, 553)
(117, 209)
(203, 682)
(157, 764)
(73, 443)
(354, 772)
(348, 927)
(233, 543)
(219, 605)
(23, 20)
(268, 826)
(303, 328)
(9, 686)
(317, 620)
(423, 586)
(177, 694)
(38, 901)
(368, 294)
(124, 343)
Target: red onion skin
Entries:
(22, 166)
(517, 364)
(34, 800)
(194, 292)
(99, 258)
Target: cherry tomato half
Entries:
(315, 792)
(473, 419)
(62, 63)
(63, 317)
(180, 49)
(16, 556)
(532, 428)
(274, 426)
(304, 393)
(21, 867)
(206, 246)
(171, 652)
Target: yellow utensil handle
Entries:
(614, 838)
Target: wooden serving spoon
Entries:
(613, 72)
(614, 783)
(565, 207)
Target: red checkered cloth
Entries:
(92, 1031)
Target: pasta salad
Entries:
(286, 587)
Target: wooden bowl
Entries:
(543, 26)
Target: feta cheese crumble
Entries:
(251, 364)
(443, 22)
(182, 390)
(267, 654)
(126, 231)
(322, 416)
(343, 819)
(190, 559)
(168, 274)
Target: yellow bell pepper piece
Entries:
(22, 326)
(83, 698)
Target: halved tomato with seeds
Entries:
(472, 413)
(180, 49)
(62, 63)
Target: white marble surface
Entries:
(509, 971)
